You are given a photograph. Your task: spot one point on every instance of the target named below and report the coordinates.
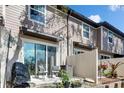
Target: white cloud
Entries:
(116, 7)
(95, 18)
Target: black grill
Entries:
(20, 75)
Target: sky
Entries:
(113, 14)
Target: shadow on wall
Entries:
(14, 50)
(85, 65)
(14, 58)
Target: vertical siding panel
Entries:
(12, 22)
(13, 13)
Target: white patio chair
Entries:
(55, 70)
(41, 71)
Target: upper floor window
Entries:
(110, 37)
(86, 31)
(37, 13)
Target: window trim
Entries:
(85, 31)
(44, 13)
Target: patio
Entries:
(45, 82)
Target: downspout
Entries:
(68, 14)
(8, 44)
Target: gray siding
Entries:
(13, 14)
(117, 45)
(98, 43)
(12, 23)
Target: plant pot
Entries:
(75, 85)
(115, 75)
(72, 85)
(66, 84)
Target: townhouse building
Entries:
(44, 33)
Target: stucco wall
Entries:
(120, 69)
(85, 65)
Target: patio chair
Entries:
(41, 71)
(55, 70)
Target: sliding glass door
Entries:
(40, 58)
(29, 57)
(37, 56)
(51, 55)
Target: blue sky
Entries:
(112, 14)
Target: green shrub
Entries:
(64, 77)
(76, 84)
(59, 85)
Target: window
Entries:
(29, 57)
(110, 37)
(37, 13)
(51, 53)
(41, 55)
(104, 57)
(86, 30)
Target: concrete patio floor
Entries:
(45, 82)
(42, 81)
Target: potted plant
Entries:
(103, 68)
(113, 71)
(59, 85)
(65, 78)
(76, 84)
